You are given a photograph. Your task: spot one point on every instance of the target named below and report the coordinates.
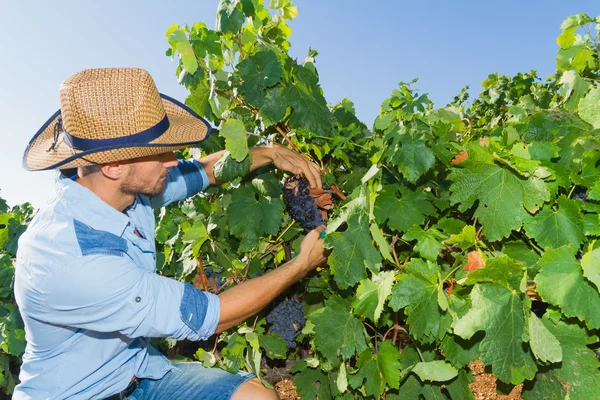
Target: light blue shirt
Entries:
(87, 289)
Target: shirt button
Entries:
(138, 299)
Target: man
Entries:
(85, 277)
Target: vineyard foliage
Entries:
(466, 232)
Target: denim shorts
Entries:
(191, 381)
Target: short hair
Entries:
(87, 170)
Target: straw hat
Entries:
(112, 114)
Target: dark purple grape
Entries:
(300, 204)
(287, 320)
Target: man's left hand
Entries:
(292, 162)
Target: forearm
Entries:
(261, 156)
(249, 297)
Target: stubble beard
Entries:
(133, 186)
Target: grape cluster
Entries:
(580, 195)
(300, 204)
(211, 273)
(287, 320)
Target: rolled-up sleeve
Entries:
(183, 181)
(109, 293)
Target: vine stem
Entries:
(287, 139)
(451, 272)
(393, 246)
(239, 42)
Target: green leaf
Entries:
(312, 384)
(501, 270)
(372, 294)
(460, 352)
(227, 169)
(377, 370)
(7, 273)
(465, 239)
(353, 252)
(437, 371)
(500, 313)
(413, 158)
(589, 108)
(567, 38)
(560, 282)
(500, 196)
(196, 235)
(428, 244)
(543, 344)
(235, 138)
(404, 211)
(12, 332)
(418, 290)
(181, 43)
(573, 88)
(337, 331)
(308, 112)
(383, 245)
(249, 218)
(229, 18)
(199, 101)
(258, 72)
(274, 105)
(522, 254)
(275, 347)
(590, 262)
(576, 377)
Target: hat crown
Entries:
(110, 103)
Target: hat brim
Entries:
(186, 128)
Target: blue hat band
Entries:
(137, 139)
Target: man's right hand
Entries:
(312, 253)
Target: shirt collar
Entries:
(88, 208)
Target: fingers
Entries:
(298, 164)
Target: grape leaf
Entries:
(312, 384)
(500, 196)
(576, 376)
(458, 351)
(438, 371)
(249, 218)
(258, 72)
(554, 229)
(181, 43)
(229, 18)
(377, 370)
(227, 169)
(308, 112)
(500, 270)
(275, 347)
(337, 331)
(12, 332)
(589, 108)
(353, 252)
(413, 158)
(560, 282)
(402, 211)
(199, 101)
(428, 244)
(500, 313)
(590, 262)
(372, 294)
(543, 343)
(235, 138)
(418, 291)
(7, 273)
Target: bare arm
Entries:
(249, 297)
(280, 156)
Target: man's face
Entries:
(147, 175)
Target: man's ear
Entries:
(115, 170)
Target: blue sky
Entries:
(365, 49)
